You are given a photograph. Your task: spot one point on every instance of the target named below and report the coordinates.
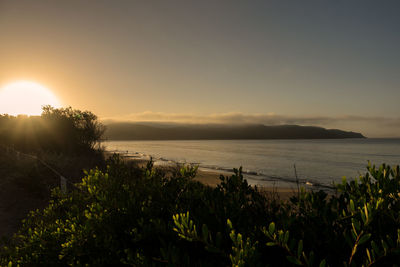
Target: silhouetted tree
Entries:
(64, 130)
(81, 128)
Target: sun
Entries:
(25, 97)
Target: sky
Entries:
(334, 64)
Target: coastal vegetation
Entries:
(143, 216)
(122, 213)
(35, 151)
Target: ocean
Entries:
(317, 163)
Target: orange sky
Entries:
(337, 61)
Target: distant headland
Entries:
(165, 131)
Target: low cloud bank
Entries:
(369, 126)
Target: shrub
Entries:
(125, 215)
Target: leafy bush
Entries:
(126, 215)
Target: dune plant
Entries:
(144, 216)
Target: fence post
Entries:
(63, 183)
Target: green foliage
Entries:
(242, 250)
(295, 253)
(125, 215)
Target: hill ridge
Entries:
(153, 131)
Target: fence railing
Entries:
(19, 155)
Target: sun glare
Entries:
(25, 97)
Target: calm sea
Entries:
(271, 162)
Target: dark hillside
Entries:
(137, 131)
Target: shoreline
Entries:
(211, 177)
(265, 168)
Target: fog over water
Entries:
(271, 162)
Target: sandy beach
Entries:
(211, 178)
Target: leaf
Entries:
(311, 258)
(363, 217)
(293, 260)
(375, 247)
(344, 213)
(271, 244)
(229, 223)
(299, 248)
(354, 229)
(398, 233)
(286, 239)
(205, 232)
(364, 239)
(384, 245)
(352, 206)
(271, 228)
(356, 224)
(389, 240)
(353, 235)
(306, 259)
(239, 238)
(280, 233)
(366, 212)
(322, 263)
(368, 255)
